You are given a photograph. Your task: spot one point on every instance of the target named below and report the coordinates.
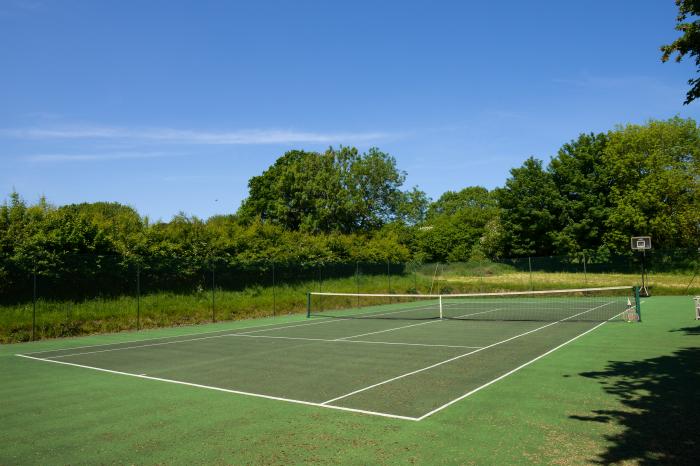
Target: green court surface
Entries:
(329, 389)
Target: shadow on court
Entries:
(661, 418)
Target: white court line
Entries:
(440, 408)
(354, 341)
(259, 336)
(411, 325)
(219, 389)
(326, 321)
(456, 357)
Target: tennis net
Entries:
(586, 304)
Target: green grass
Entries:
(168, 309)
(624, 393)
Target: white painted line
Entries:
(456, 357)
(226, 390)
(440, 408)
(133, 347)
(326, 321)
(60, 356)
(387, 330)
(351, 341)
(151, 339)
(411, 325)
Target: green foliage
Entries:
(339, 190)
(580, 177)
(530, 204)
(601, 189)
(342, 206)
(455, 223)
(688, 43)
(654, 189)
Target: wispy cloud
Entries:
(588, 81)
(96, 157)
(169, 135)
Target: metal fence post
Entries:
(529, 265)
(274, 294)
(213, 294)
(34, 305)
(138, 296)
(357, 281)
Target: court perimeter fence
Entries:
(71, 294)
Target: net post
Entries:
(637, 304)
(308, 304)
(440, 300)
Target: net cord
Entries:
(469, 295)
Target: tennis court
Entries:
(399, 356)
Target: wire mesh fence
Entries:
(65, 295)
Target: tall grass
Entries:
(162, 309)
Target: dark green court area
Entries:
(378, 360)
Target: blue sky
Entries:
(174, 105)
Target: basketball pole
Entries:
(644, 291)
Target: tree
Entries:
(579, 174)
(688, 43)
(654, 184)
(339, 190)
(529, 210)
(455, 223)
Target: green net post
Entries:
(308, 304)
(637, 303)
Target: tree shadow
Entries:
(661, 414)
(689, 330)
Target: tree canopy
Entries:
(688, 43)
(336, 191)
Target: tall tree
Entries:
(580, 176)
(688, 43)
(339, 190)
(529, 217)
(655, 183)
(455, 223)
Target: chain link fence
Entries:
(65, 295)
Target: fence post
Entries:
(388, 274)
(415, 277)
(274, 294)
(357, 281)
(481, 276)
(529, 265)
(585, 273)
(213, 293)
(33, 305)
(138, 297)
